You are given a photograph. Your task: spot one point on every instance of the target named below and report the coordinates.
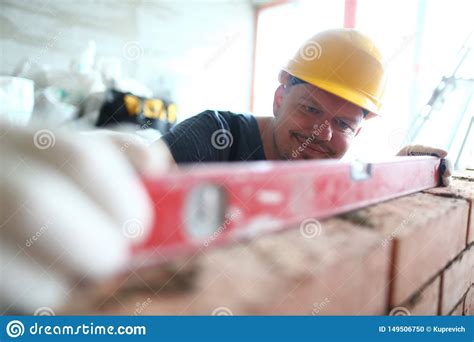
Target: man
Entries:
(334, 82)
(75, 204)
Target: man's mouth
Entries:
(310, 146)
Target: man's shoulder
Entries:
(236, 136)
(227, 115)
(227, 120)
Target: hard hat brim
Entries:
(355, 96)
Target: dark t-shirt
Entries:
(214, 136)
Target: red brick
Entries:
(342, 270)
(428, 231)
(461, 187)
(458, 310)
(457, 279)
(469, 302)
(425, 301)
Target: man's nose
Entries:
(323, 131)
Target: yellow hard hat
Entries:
(344, 62)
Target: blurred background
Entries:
(69, 63)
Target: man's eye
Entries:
(310, 109)
(344, 126)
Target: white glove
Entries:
(71, 208)
(445, 169)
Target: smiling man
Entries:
(334, 82)
(309, 123)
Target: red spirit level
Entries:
(215, 203)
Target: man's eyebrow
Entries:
(316, 103)
(350, 119)
(346, 118)
(312, 100)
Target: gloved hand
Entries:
(446, 168)
(71, 207)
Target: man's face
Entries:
(313, 124)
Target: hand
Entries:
(72, 206)
(446, 168)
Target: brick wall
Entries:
(412, 255)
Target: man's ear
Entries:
(283, 77)
(278, 99)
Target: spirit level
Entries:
(215, 203)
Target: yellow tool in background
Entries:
(151, 108)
